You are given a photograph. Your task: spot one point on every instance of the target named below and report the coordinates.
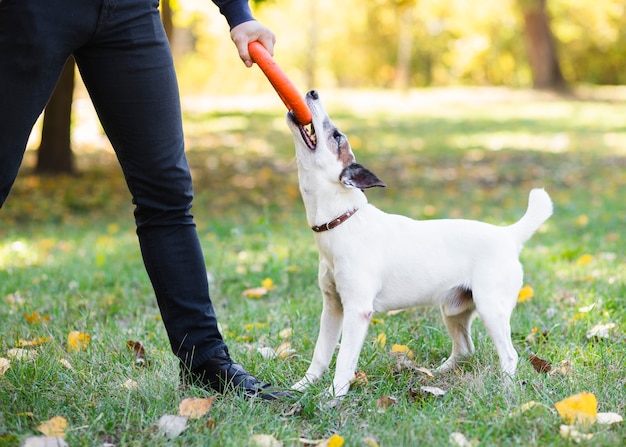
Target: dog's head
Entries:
(323, 149)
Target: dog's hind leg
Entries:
(330, 329)
(458, 312)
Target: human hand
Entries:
(247, 32)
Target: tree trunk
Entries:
(405, 45)
(55, 151)
(540, 44)
(166, 18)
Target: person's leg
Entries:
(129, 73)
(36, 38)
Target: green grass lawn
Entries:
(69, 261)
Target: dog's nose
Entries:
(313, 94)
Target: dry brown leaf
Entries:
(360, 379)
(385, 402)
(267, 353)
(194, 407)
(130, 384)
(66, 364)
(139, 352)
(286, 333)
(54, 427)
(4, 365)
(284, 350)
(540, 365)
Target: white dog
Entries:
(370, 261)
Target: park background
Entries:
(460, 106)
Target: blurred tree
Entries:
(55, 153)
(540, 44)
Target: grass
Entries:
(68, 251)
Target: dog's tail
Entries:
(538, 211)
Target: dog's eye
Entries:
(338, 136)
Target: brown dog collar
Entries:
(334, 223)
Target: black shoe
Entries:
(221, 374)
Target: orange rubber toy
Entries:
(288, 93)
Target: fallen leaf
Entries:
(528, 406)
(77, 341)
(130, 384)
(385, 402)
(194, 407)
(334, 441)
(570, 432)
(286, 333)
(381, 340)
(587, 309)
(427, 372)
(34, 342)
(139, 352)
(44, 441)
(433, 390)
(370, 442)
(36, 317)
(584, 259)
(404, 349)
(66, 364)
(54, 427)
(582, 220)
(22, 354)
(267, 353)
(284, 350)
(540, 365)
(525, 294)
(172, 425)
(600, 330)
(459, 440)
(360, 379)
(608, 418)
(255, 292)
(265, 441)
(580, 408)
(4, 365)
(267, 283)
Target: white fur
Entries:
(376, 262)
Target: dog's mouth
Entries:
(307, 132)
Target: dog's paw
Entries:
(301, 385)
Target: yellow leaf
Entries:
(584, 259)
(36, 317)
(381, 340)
(4, 365)
(286, 333)
(335, 441)
(377, 321)
(195, 407)
(34, 342)
(582, 220)
(525, 294)
(255, 292)
(77, 341)
(580, 408)
(54, 427)
(360, 379)
(403, 349)
(267, 283)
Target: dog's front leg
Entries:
(355, 324)
(330, 329)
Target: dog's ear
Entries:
(357, 176)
